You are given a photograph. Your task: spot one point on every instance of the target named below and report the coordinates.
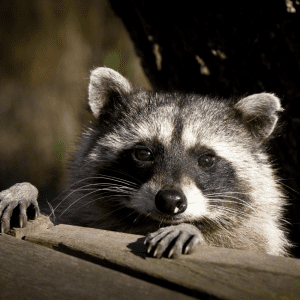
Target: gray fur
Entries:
(259, 111)
(103, 81)
(239, 205)
(185, 169)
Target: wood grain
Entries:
(223, 273)
(29, 271)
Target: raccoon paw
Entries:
(173, 240)
(23, 195)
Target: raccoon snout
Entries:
(170, 202)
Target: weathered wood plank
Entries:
(224, 273)
(40, 224)
(29, 271)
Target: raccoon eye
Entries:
(206, 160)
(143, 154)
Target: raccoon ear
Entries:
(105, 83)
(259, 113)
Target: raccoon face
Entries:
(187, 158)
(180, 183)
(177, 188)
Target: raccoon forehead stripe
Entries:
(125, 137)
(189, 136)
(159, 125)
(162, 120)
(195, 127)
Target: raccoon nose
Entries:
(171, 202)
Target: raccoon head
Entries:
(181, 158)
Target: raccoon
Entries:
(182, 169)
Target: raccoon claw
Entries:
(23, 195)
(36, 213)
(23, 221)
(4, 226)
(173, 240)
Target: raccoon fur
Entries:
(183, 168)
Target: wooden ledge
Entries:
(40, 224)
(30, 271)
(210, 271)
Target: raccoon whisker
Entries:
(231, 200)
(229, 212)
(282, 220)
(75, 183)
(188, 219)
(93, 191)
(239, 202)
(120, 172)
(116, 206)
(114, 179)
(140, 215)
(102, 215)
(218, 201)
(222, 227)
(106, 187)
(126, 191)
(250, 120)
(289, 188)
(281, 179)
(148, 214)
(88, 178)
(107, 192)
(125, 216)
(87, 203)
(97, 220)
(230, 192)
(117, 189)
(145, 217)
(225, 193)
(215, 188)
(203, 229)
(120, 206)
(160, 224)
(82, 188)
(111, 178)
(83, 166)
(103, 197)
(77, 200)
(116, 183)
(52, 210)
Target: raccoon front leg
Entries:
(173, 240)
(22, 195)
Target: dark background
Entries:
(229, 49)
(47, 49)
